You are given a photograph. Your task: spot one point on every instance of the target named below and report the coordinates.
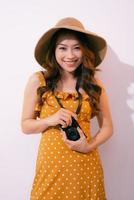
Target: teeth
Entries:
(70, 61)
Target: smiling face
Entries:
(68, 53)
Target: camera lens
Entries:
(72, 134)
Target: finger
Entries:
(81, 132)
(68, 142)
(66, 118)
(62, 123)
(70, 113)
(63, 135)
(73, 115)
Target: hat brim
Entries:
(100, 45)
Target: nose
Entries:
(70, 54)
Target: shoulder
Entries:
(103, 96)
(33, 79)
(36, 79)
(100, 83)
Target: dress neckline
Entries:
(70, 92)
(65, 95)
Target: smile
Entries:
(70, 62)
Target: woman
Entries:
(64, 94)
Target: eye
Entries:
(62, 48)
(77, 48)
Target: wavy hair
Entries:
(84, 73)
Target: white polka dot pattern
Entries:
(60, 172)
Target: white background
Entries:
(21, 25)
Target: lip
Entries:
(70, 62)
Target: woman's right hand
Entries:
(62, 117)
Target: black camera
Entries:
(71, 131)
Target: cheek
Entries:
(80, 55)
(56, 54)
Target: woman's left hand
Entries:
(80, 145)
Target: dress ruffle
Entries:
(64, 95)
(60, 95)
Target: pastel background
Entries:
(21, 25)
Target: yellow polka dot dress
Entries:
(63, 174)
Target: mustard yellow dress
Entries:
(63, 174)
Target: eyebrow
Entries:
(67, 45)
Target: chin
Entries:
(70, 71)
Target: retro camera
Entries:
(71, 131)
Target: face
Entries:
(68, 53)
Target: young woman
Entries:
(59, 102)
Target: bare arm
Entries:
(105, 121)
(29, 123)
(105, 132)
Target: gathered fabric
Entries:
(60, 172)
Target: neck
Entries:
(67, 76)
(67, 82)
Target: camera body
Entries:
(71, 131)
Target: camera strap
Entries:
(79, 103)
(79, 96)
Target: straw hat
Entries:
(70, 23)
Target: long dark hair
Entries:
(84, 73)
